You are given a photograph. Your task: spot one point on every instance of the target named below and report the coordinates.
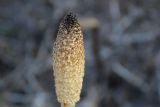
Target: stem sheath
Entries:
(67, 105)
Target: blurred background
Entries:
(122, 41)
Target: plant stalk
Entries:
(67, 105)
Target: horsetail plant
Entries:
(68, 61)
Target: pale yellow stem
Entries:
(67, 105)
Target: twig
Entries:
(138, 37)
(131, 78)
(114, 9)
(127, 21)
(89, 23)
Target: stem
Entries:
(67, 105)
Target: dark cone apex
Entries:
(70, 21)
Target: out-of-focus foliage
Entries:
(122, 52)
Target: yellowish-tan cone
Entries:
(68, 61)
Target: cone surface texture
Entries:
(68, 60)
